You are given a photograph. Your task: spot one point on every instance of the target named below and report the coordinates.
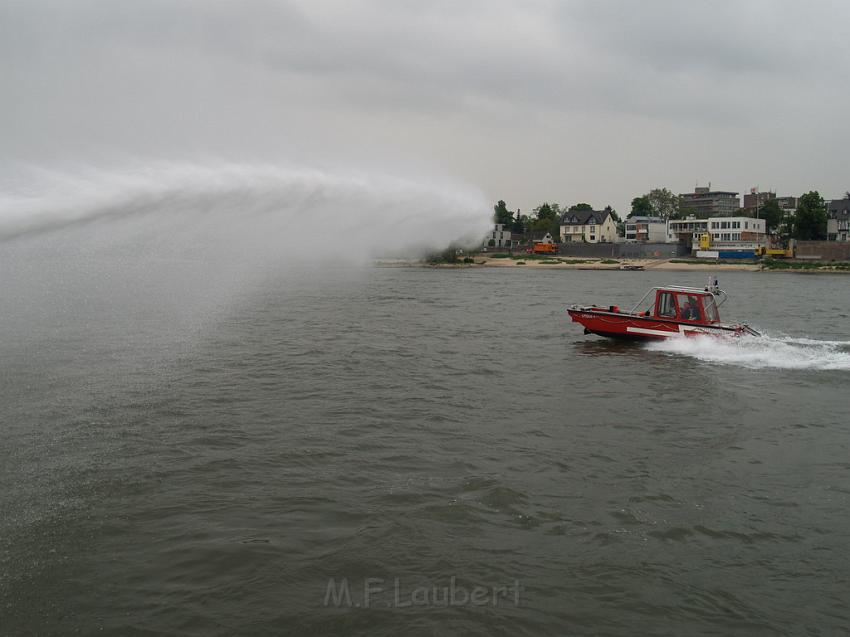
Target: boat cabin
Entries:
(684, 304)
(663, 312)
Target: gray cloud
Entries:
(584, 100)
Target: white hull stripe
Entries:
(681, 332)
(649, 332)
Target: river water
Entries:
(421, 451)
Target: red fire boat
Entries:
(663, 312)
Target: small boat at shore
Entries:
(623, 267)
(663, 312)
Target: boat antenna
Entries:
(713, 285)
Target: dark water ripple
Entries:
(420, 425)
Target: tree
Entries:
(772, 214)
(520, 223)
(545, 211)
(501, 214)
(613, 214)
(664, 203)
(641, 207)
(810, 221)
(580, 207)
(547, 219)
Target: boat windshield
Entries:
(646, 306)
(710, 307)
(688, 307)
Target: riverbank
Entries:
(567, 263)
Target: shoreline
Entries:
(600, 264)
(577, 263)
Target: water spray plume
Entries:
(182, 243)
(365, 215)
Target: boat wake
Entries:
(763, 352)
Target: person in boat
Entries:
(689, 310)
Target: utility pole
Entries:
(756, 192)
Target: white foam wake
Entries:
(761, 352)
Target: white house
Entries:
(649, 229)
(838, 222)
(591, 226)
(726, 230)
(499, 237)
(686, 230)
(838, 227)
(744, 229)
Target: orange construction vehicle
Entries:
(544, 248)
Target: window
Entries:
(736, 224)
(710, 309)
(714, 225)
(688, 307)
(666, 305)
(746, 225)
(592, 237)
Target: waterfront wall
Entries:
(653, 250)
(826, 250)
(589, 250)
(624, 250)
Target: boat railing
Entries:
(643, 298)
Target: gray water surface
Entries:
(171, 472)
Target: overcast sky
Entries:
(530, 101)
